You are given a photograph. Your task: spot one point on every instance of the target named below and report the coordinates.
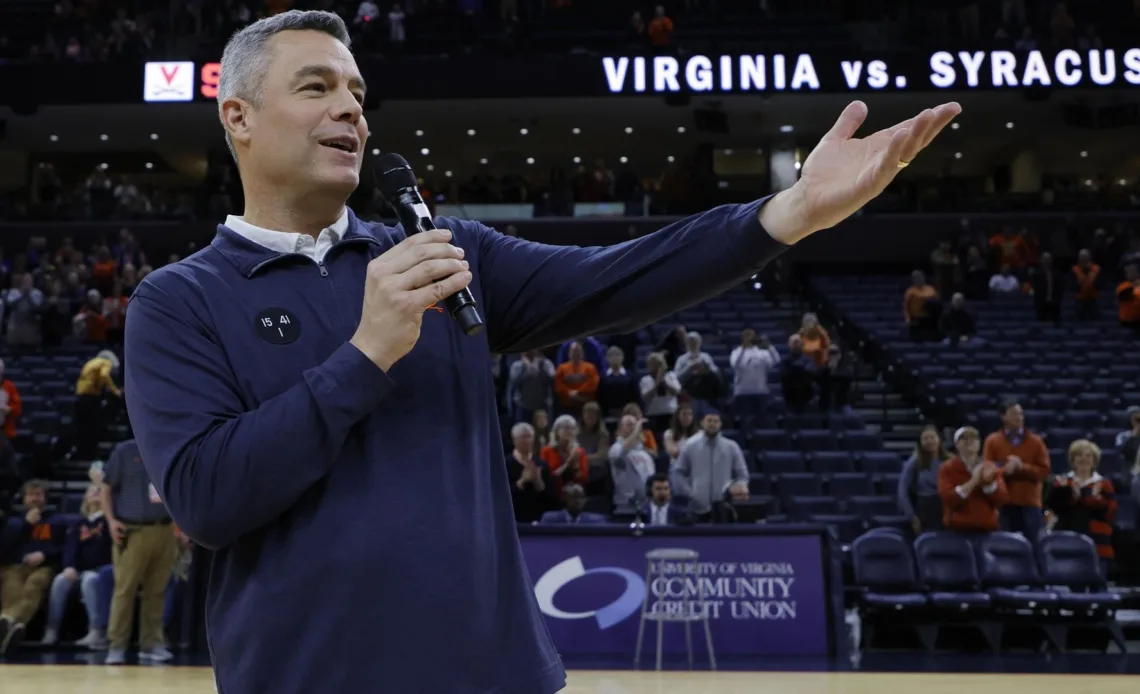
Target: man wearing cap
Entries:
(972, 489)
(710, 467)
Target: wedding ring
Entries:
(903, 164)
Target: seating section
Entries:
(989, 582)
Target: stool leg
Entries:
(709, 643)
(660, 624)
(640, 639)
(689, 641)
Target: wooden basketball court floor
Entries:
(98, 679)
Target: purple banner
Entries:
(764, 594)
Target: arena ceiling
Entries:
(994, 127)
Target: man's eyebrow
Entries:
(324, 72)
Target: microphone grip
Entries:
(414, 216)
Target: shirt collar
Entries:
(286, 242)
(249, 256)
(1093, 478)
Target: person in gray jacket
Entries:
(709, 467)
(918, 498)
(631, 466)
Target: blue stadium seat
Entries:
(846, 527)
(803, 507)
(831, 462)
(1061, 437)
(799, 484)
(759, 484)
(782, 462)
(816, 440)
(880, 462)
(862, 441)
(869, 506)
(884, 568)
(770, 440)
(948, 568)
(1009, 573)
(806, 420)
(1050, 401)
(1070, 559)
(849, 484)
(1095, 402)
(1085, 420)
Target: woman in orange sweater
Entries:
(815, 339)
(566, 459)
(971, 489)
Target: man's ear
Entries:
(237, 118)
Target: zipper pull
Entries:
(323, 269)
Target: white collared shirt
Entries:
(660, 514)
(288, 242)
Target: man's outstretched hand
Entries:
(843, 173)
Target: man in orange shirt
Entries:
(1087, 273)
(575, 381)
(660, 29)
(971, 488)
(1024, 461)
(1128, 297)
(921, 309)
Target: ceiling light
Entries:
(786, 128)
(728, 152)
(149, 165)
(1123, 181)
(577, 160)
(623, 159)
(1088, 181)
(523, 131)
(669, 158)
(1083, 153)
(760, 150)
(154, 136)
(628, 130)
(103, 166)
(957, 155)
(953, 126)
(530, 160)
(431, 167)
(483, 160)
(471, 132)
(104, 138)
(798, 166)
(419, 133)
(375, 151)
(577, 131)
(425, 151)
(447, 173)
(54, 138)
(680, 128)
(1009, 125)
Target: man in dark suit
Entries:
(1048, 287)
(660, 509)
(573, 501)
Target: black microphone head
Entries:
(393, 174)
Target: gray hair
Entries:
(520, 428)
(566, 420)
(245, 59)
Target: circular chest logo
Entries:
(277, 326)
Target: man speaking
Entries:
(334, 443)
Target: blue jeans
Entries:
(98, 611)
(1027, 520)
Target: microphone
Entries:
(397, 183)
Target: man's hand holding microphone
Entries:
(401, 283)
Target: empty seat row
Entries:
(777, 462)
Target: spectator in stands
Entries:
(1128, 298)
(710, 468)
(944, 263)
(11, 407)
(976, 275)
(921, 308)
(814, 339)
(1085, 502)
(572, 513)
(1004, 283)
(660, 30)
(35, 557)
(575, 381)
(681, 429)
(564, 456)
(958, 324)
(593, 351)
(918, 497)
(797, 376)
(541, 423)
(532, 490)
(647, 435)
(659, 390)
(617, 386)
(1088, 288)
(594, 438)
(1009, 248)
(751, 363)
(1047, 287)
(11, 475)
(631, 465)
(660, 509)
(972, 490)
(88, 549)
(144, 555)
(836, 377)
(1024, 461)
(698, 373)
(90, 324)
(1129, 441)
(95, 380)
(672, 345)
(22, 305)
(531, 385)
(637, 35)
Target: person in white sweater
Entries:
(751, 362)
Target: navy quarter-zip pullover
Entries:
(361, 520)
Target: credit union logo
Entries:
(168, 81)
(606, 615)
